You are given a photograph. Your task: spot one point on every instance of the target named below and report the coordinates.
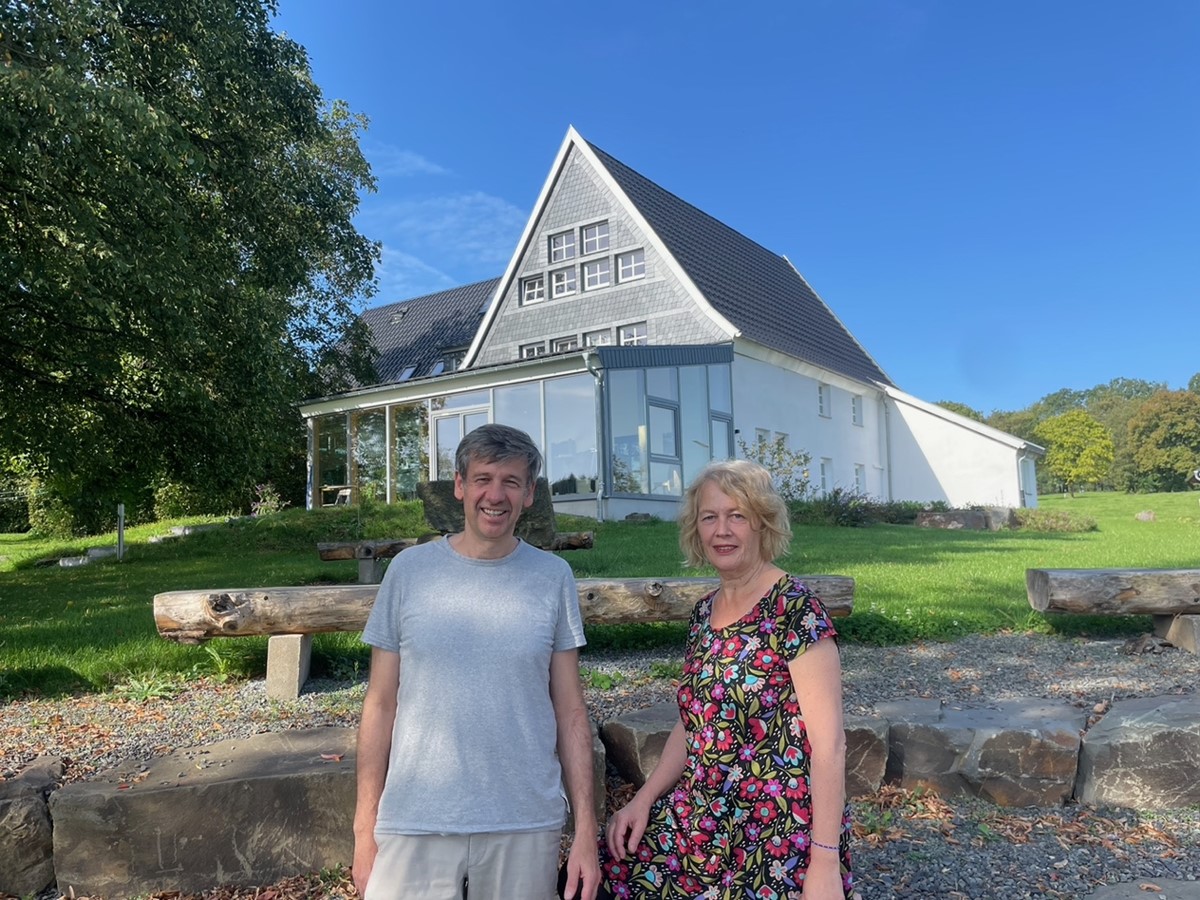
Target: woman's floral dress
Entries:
(737, 824)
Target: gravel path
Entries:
(908, 846)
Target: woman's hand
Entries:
(823, 879)
(626, 827)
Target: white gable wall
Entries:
(940, 455)
(779, 393)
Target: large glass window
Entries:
(410, 456)
(720, 392)
(695, 440)
(333, 473)
(570, 448)
(627, 407)
(368, 430)
(520, 405)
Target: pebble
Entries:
(906, 846)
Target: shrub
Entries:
(267, 500)
(173, 500)
(788, 467)
(1057, 521)
(838, 507)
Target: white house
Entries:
(636, 338)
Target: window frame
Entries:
(599, 239)
(824, 400)
(555, 342)
(534, 284)
(532, 350)
(604, 261)
(588, 335)
(565, 250)
(639, 340)
(638, 267)
(856, 409)
(572, 288)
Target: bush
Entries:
(1057, 521)
(49, 515)
(838, 507)
(173, 500)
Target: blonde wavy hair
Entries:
(749, 485)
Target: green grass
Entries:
(92, 627)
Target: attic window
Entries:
(562, 246)
(634, 335)
(564, 345)
(563, 282)
(597, 274)
(533, 290)
(530, 351)
(595, 238)
(631, 265)
(407, 373)
(438, 367)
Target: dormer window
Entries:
(562, 246)
(595, 238)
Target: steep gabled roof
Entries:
(758, 291)
(417, 333)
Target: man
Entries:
(474, 717)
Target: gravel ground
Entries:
(908, 845)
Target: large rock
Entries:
(238, 812)
(1144, 753)
(953, 519)
(866, 754)
(635, 742)
(444, 512)
(26, 841)
(1013, 753)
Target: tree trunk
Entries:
(1114, 592)
(195, 616)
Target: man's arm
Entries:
(374, 748)
(575, 756)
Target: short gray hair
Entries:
(498, 443)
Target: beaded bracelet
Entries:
(821, 846)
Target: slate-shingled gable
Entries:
(417, 332)
(756, 290)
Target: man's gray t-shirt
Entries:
(474, 744)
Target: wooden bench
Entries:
(294, 614)
(1170, 596)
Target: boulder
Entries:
(635, 742)
(239, 812)
(954, 519)
(866, 754)
(1144, 753)
(1012, 753)
(444, 512)
(26, 845)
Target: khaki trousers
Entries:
(496, 866)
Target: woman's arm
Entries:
(626, 827)
(817, 677)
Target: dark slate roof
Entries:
(418, 332)
(758, 291)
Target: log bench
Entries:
(297, 613)
(1170, 596)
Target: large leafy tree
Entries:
(178, 260)
(1079, 449)
(1165, 437)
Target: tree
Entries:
(1079, 450)
(1114, 404)
(177, 249)
(1165, 437)
(962, 409)
(1194, 383)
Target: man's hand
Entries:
(364, 860)
(583, 869)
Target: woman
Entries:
(747, 800)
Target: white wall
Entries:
(780, 394)
(939, 455)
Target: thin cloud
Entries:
(386, 159)
(402, 276)
(457, 232)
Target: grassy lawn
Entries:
(92, 627)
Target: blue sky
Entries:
(998, 199)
